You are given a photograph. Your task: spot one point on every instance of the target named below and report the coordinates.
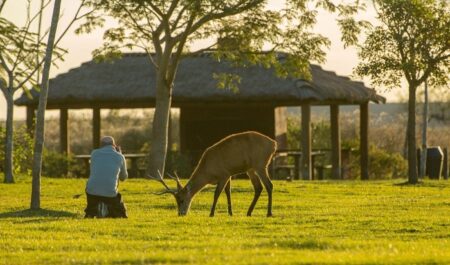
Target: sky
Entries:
(340, 60)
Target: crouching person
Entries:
(108, 166)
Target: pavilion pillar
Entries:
(96, 128)
(170, 133)
(335, 142)
(63, 131)
(364, 142)
(31, 117)
(306, 142)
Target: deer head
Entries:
(182, 194)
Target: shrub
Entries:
(57, 165)
(22, 153)
(382, 164)
(181, 163)
(320, 134)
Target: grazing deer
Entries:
(247, 152)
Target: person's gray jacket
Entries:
(107, 167)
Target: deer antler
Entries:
(161, 180)
(177, 179)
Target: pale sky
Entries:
(340, 60)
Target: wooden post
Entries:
(281, 127)
(335, 142)
(445, 165)
(31, 116)
(96, 128)
(63, 131)
(306, 142)
(170, 134)
(364, 142)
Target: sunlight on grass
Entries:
(314, 222)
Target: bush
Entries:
(320, 134)
(22, 153)
(57, 165)
(382, 164)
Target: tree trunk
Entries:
(158, 150)
(423, 157)
(9, 175)
(40, 117)
(412, 155)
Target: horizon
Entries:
(80, 47)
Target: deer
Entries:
(247, 152)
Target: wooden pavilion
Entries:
(207, 113)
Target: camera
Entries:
(118, 149)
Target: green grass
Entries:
(313, 223)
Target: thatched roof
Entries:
(130, 82)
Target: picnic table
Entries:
(297, 155)
(132, 167)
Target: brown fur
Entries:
(247, 152)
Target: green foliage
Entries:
(412, 41)
(382, 164)
(376, 222)
(57, 165)
(20, 56)
(320, 134)
(54, 164)
(23, 147)
(227, 81)
(180, 163)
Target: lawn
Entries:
(313, 223)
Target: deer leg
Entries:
(219, 189)
(228, 193)
(258, 189)
(264, 176)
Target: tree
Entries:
(238, 31)
(44, 87)
(411, 43)
(18, 50)
(423, 157)
(39, 135)
(22, 54)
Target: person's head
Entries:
(107, 140)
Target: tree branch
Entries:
(2, 5)
(74, 19)
(136, 23)
(3, 63)
(30, 75)
(26, 31)
(230, 11)
(178, 18)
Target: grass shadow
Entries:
(37, 213)
(310, 244)
(151, 261)
(408, 184)
(421, 183)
